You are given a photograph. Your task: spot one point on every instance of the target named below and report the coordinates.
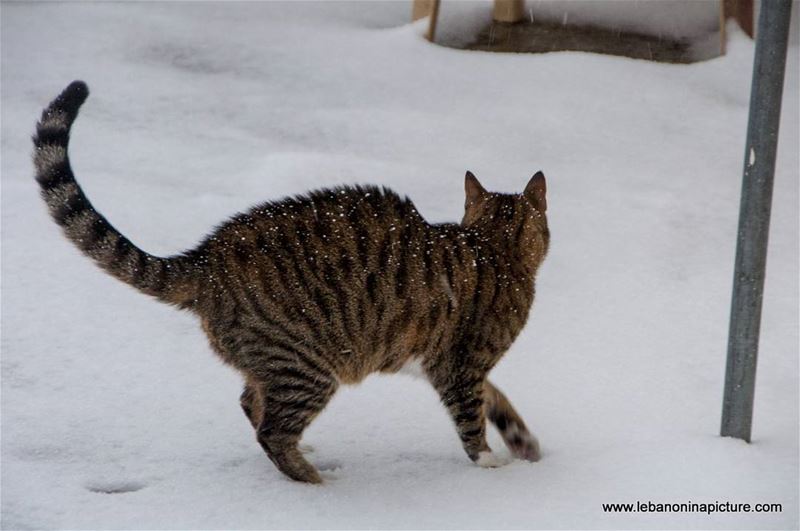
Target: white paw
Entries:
(489, 459)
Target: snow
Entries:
(115, 413)
(491, 460)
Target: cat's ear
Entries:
(475, 192)
(536, 191)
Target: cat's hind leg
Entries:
(251, 403)
(293, 394)
(510, 425)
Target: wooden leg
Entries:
(508, 10)
(421, 9)
(723, 34)
(434, 17)
(742, 11)
(426, 8)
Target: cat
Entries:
(311, 292)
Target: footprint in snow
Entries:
(328, 465)
(114, 487)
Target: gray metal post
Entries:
(772, 37)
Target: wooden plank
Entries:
(508, 10)
(434, 18)
(421, 9)
(723, 32)
(742, 11)
(426, 8)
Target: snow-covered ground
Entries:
(202, 109)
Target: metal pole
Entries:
(751, 248)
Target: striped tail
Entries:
(168, 279)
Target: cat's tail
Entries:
(168, 279)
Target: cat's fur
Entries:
(307, 293)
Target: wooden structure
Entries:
(504, 11)
(512, 11)
(508, 10)
(740, 10)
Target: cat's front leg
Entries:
(463, 397)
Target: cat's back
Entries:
(344, 219)
(344, 238)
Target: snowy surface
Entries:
(199, 110)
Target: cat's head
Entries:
(518, 220)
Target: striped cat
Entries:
(308, 293)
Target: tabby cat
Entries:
(311, 292)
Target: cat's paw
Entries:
(489, 459)
(523, 445)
